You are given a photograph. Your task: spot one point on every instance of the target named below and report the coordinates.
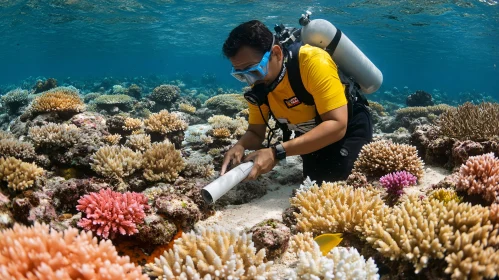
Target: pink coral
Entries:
(480, 175)
(395, 182)
(40, 253)
(494, 213)
(108, 212)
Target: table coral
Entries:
(108, 212)
(40, 253)
(60, 99)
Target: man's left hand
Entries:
(263, 161)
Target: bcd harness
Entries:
(292, 66)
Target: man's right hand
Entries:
(233, 156)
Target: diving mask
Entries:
(256, 72)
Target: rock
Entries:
(156, 230)
(420, 98)
(180, 209)
(288, 217)
(67, 193)
(271, 235)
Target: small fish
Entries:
(328, 241)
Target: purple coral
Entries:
(395, 182)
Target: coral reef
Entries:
(37, 252)
(14, 100)
(114, 104)
(42, 86)
(179, 209)
(227, 104)
(116, 161)
(212, 253)
(156, 230)
(13, 148)
(165, 94)
(419, 98)
(108, 213)
(60, 99)
(445, 195)
(382, 157)
(52, 136)
(162, 162)
(19, 175)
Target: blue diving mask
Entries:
(256, 72)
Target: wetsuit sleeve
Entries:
(255, 117)
(320, 78)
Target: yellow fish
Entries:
(328, 241)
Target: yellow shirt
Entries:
(319, 75)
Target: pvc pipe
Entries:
(223, 184)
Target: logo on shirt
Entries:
(292, 102)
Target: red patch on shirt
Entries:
(292, 102)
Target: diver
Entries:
(329, 130)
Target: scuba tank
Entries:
(349, 58)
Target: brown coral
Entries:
(480, 175)
(164, 122)
(17, 149)
(132, 124)
(382, 157)
(471, 122)
(162, 162)
(40, 253)
(55, 135)
(60, 99)
(19, 175)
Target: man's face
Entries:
(247, 57)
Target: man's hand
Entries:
(233, 156)
(263, 161)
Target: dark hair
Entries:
(253, 34)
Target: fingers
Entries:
(255, 171)
(227, 159)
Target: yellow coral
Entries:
(19, 175)
(382, 157)
(187, 108)
(214, 253)
(162, 162)
(445, 195)
(164, 122)
(221, 132)
(131, 124)
(59, 99)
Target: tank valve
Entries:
(305, 18)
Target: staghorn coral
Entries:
(131, 124)
(40, 253)
(336, 208)
(382, 157)
(187, 108)
(53, 135)
(139, 142)
(59, 99)
(395, 182)
(116, 161)
(108, 212)
(164, 122)
(225, 127)
(162, 162)
(471, 122)
(444, 195)
(302, 241)
(13, 148)
(221, 132)
(19, 175)
(339, 263)
(213, 253)
(480, 175)
(420, 230)
(112, 139)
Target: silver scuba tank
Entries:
(349, 58)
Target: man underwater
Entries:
(328, 135)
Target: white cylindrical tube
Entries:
(223, 184)
(349, 58)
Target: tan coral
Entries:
(112, 139)
(221, 132)
(10, 147)
(139, 142)
(416, 112)
(471, 122)
(337, 208)
(19, 175)
(38, 252)
(382, 157)
(116, 161)
(132, 124)
(162, 162)
(213, 253)
(186, 108)
(164, 122)
(494, 213)
(60, 99)
(6, 135)
(54, 135)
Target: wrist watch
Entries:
(279, 151)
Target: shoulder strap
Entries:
(294, 77)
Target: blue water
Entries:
(452, 46)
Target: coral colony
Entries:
(104, 183)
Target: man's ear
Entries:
(277, 52)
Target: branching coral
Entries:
(116, 161)
(471, 122)
(139, 142)
(60, 99)
(17, 149)
(40, 253)
(480, 175)
(19, 175)
(227, 104)
(382, 157)
(108, 212)
(162, 162)
(112, 139)
(225, 127)
(55, 135)
(395, 182)
(199, 166)
(164, 122)
(187, 108)
(132, 124)
(214, 253)
(15, 99)
(336, 208)
(339, 263)
(445, 195)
